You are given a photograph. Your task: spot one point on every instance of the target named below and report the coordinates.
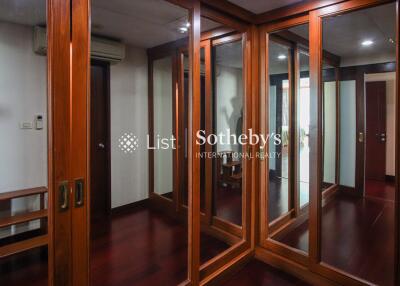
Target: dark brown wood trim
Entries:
(293, 10)
(167, 49)
(231, 9)
(223, 18)
(397, 166)
(194, 106)
(228, 269)
(215, 33)
(292, 267)
(130, 207)
(227, 39)
(315, 138)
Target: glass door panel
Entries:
(289, 120)
(357, 218)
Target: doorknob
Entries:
(383, 137)
(101, 146)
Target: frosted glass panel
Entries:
(330, 132)
(348, 133)
(163, 103)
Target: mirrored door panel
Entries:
(357, 216)
(140, 94)
(223, 119)
(288, 121)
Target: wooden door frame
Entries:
(264, 238)
(106, 66)
(240, 250)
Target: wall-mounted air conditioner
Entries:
(101, 49)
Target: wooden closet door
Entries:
(58, 13)
(79, 141)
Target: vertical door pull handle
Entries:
(63, 196)
(79, 193)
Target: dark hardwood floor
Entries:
(146, 247)
(26, 268)
(257, 273)
(139, 247)
(357, 236)
(228, 204)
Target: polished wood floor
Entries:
(228, 204)
(141, 247)
(257, 273)
(357, 234)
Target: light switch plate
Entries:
(26, 125)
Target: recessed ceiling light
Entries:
(281, 57)
(367, 43)
(183, 30)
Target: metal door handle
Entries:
(79, 193)
(63, 197)
(361, 137)
(102, 146)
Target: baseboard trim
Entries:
(390, 178)
(129, 207)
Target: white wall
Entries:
(329, 132)
(128, 88)
(23, 152)
(390, 79)
(347, 133)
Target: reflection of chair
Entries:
(229, 171)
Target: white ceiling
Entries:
(261, 6)
(142, 24)
(154, 22)
(26, 12)
(344, 34)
